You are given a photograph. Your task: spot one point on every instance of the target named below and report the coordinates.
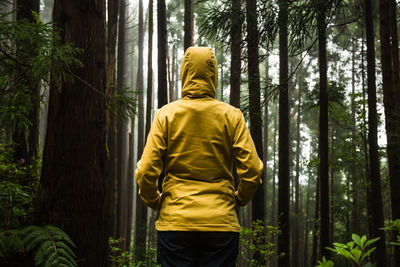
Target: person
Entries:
(195, 140)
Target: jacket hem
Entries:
(199, 228)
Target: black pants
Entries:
(195, 249)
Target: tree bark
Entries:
(236, 37)
(162, 53)
(122, 131)
(189, 23)
(323, 130)
(73, 190)
(376, 194)
(296, 230)
(111, 162)
(254, 99)
(149, 105)
(284, 169)
(141, 209)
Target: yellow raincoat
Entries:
(198, 136)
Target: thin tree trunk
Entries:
(284, 178)
(314, 254)
(111, 162)
(353, 169)
(162, 53)
(73, 192)
(122, 131)
(189, 23)
(236, 36)
(323, 130)
(254, 99)
(265, 141)
(129, 184)
(376, 201)
(141, 209)
(296, 230)
(306, 234)
(273, 203)
(149, 105)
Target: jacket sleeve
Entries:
(249, 166)
(150, 165)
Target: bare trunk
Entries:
(284, 180)
(141, 209)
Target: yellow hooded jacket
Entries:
(198, 136)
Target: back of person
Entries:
(196, 139)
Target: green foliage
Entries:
(324, 263)
(257, 242)
(15, 193)
(355, 251)
(394, 226)
(49, 245)
(121, 258)
(123, 104)
(30, 53)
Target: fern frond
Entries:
(51, 246)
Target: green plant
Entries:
(257, 242)
(325, 263)
(355, 251)
(119, 257)
(394, 226)
(48, 245)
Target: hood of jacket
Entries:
(199, 73)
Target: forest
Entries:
(318, 82)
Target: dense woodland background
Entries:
(318, 82)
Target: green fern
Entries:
(50, 245)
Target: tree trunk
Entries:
(130, 185)
(141, 209)
(236, 37)
(376, 194)
(73, 191)
(395, 178)
(254, 98)
(355, 215)
(296, 230)
(323, 129)
(284, 180)
(162, 53)
(111, 162)
(149, 105)
(314, 253)
(189, 23)
(306, 233)
(265, 141)
(122, 131)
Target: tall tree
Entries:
(323, 127)
(296, 230)
(111, 162)
(387, 84)
(395, 173)
(28, 148)
(254, 98)
(73, 186)
(162, 53)
(122, 131)
(284, 182)
(189, 23)
(141, 209)
(149, 105)
(236, 37)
